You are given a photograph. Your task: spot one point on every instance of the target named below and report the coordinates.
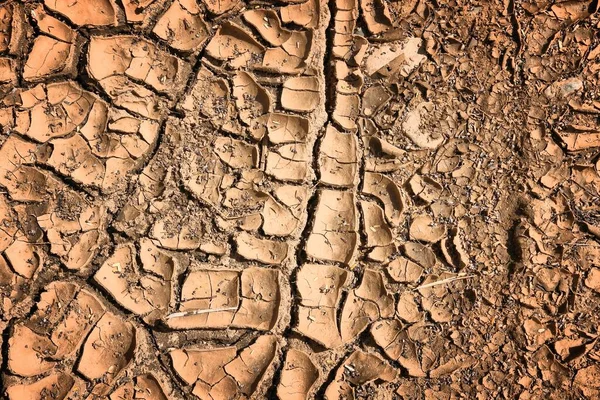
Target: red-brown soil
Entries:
(299, 199)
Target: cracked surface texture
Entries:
(300, 199)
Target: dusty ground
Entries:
(369, 199)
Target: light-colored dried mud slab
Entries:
(95, 12)
(54, 386)
(284, 128)
(420, 254)
(252, 99)
(216, 291)
(224, 373)
(367, 303)
(268, 25)
(346, 111)
(350, 81)
(404, 270)
(424, 229)
(138, 11)
(425, 188)
(278, 60)
(338, 158)
(235, 46)
(414, 126)
(408, 309)
(144, 387)
(376, 228)
(394, 57)
(397, 345)
(174, 233)
(138, 59)
(211, 97)
(81, 315)
(28, 352)
(19, 156)
(298, 376)
(288, 162)
(265, 251)
(275, 217)
(23, 257)
(220, 6)
(304, 13)
(359, 368)
(387, 192)
(334, 235)
(143, 289)
(182, 26)
(236, 153)
(300, 94)
(212, 299)
(55, 51)
(107, 349)
(374, 99)
(320, 287)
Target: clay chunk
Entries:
(334, 235)
(54, 386)
(424, 229)
(182, 26)
(265, 251)
(27, 352)
(298, 376)
(394, 57)
(384, 189)
(338, 158)
(212, 299)
(133, 286)
(138, 59)
(235, 46)
(367, 303)
(359, 368)
(224, 373)
(300, 94)
(320, 287)
(94, 12)
(144, 387)
(55, 51)
(108, 349)
(394, 340)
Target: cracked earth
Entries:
(299, 199)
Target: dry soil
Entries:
(299, 199)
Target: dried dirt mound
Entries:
(299, 199)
